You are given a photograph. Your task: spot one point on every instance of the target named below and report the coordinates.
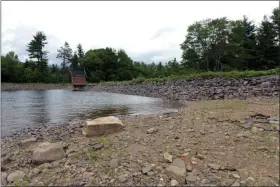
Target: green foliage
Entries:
(212, 47)
(35, 49)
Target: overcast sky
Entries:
(148, 31)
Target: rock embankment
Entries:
(200, 88)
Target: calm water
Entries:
(21, 109)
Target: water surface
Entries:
(21, 109)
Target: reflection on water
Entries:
(22, 109)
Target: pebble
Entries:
(114, 163)
(191, 178)
(122, 178)
(167, 157)
(98, 146)
(15, 175)
(236, 184)
(189, 168)
(214, 166)
(152, 130)
(254, 129)
(174, 183)
(146, 169)
(199, 156)
(161, 182)
(236, 176)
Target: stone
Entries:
(174, 183)
(200, 156)
(274, 122)
(122, 178)
(274, 118)
(152, 130)
(114, 163)
(161, 182)
(69, 151)
(28, 142)
(191, 178)
(97, 146)
(4, 175)
(177, 170)
(150, 173)
(236, 184)
(15, 175)
(214, 166)
(167, 157)
(101, 126)
(189, 168)
(48, 152)
(46, 166)
(236, 176)
(146, 169)
(266, 85)
(254, 129)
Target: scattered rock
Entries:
(161, 182)
(152, 130)
(176, 170)
(167, 157)
(200, 156)
(174, 183)
(15, 175)
(101, 126)
(47, 152)
(254, 129)
(122, 178)
(214, 166)
(114, 163)
(191, 178)
(189, 168)
(236, 184)
(146, 169)
(4, 175)
(236, 176)
(27, 142)
(97, 146)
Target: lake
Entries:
(21, 109)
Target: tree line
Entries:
(210, 45)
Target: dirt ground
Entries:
(200, 133)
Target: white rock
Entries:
(101, 126)
(167, 157)
(174, 183)
(236, 176)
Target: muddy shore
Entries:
(216, 142)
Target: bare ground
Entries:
(201, 133)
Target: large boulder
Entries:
(101, 126)
(177, 171)
(48, 152)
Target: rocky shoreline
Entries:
(200, 88)
(208, 143)
(17, 87)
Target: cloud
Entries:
(16, 39)
(147, 30)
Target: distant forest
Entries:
(210, 45)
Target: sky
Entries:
(147, 30)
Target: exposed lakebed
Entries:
(31, 108)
